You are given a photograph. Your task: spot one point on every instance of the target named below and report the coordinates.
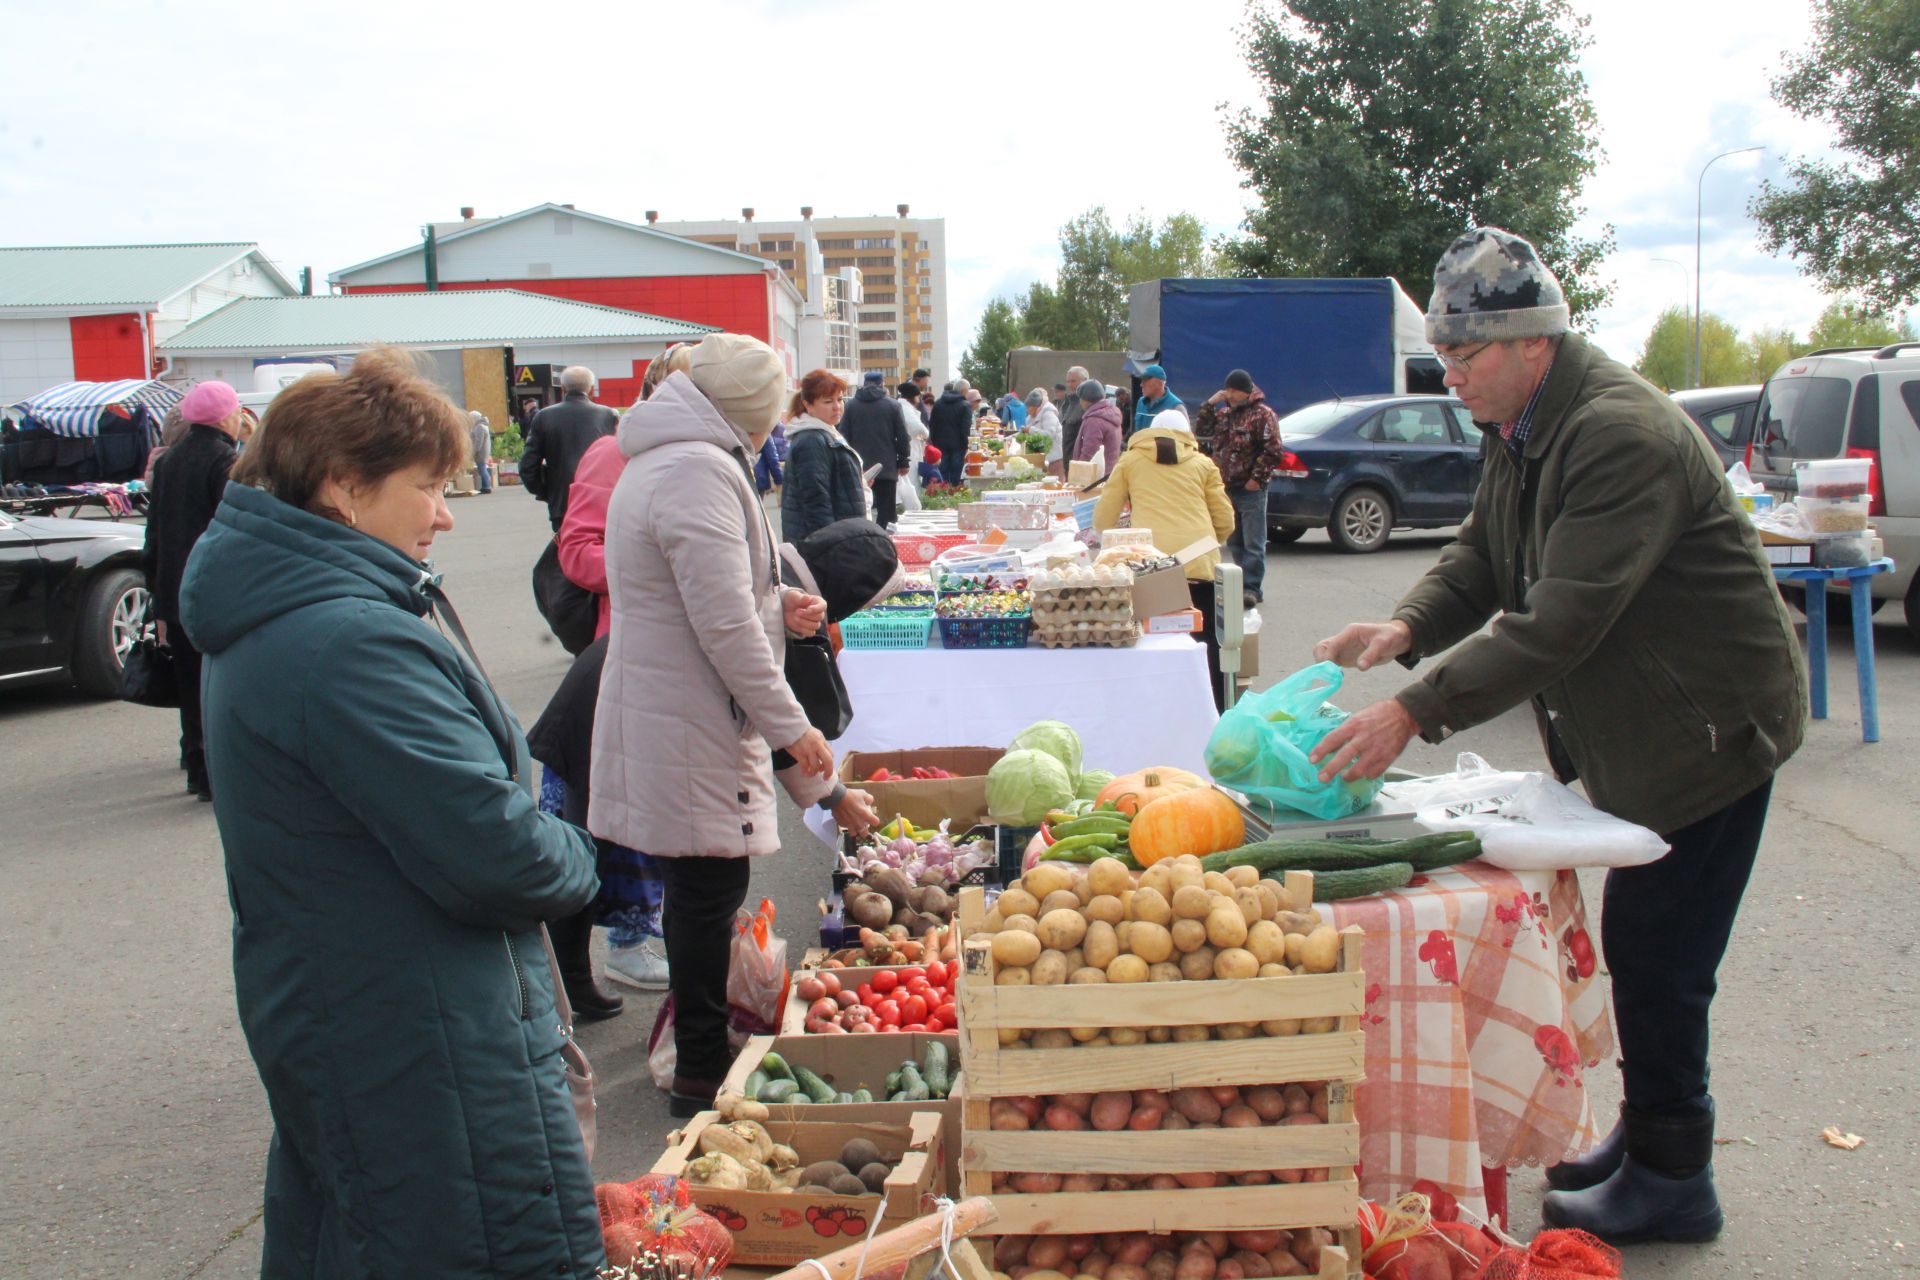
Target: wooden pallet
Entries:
(992, 1071)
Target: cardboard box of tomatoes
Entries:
(928, 798)
(920, 997)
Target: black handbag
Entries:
(147, 677)
(572, 612)
(814, 677)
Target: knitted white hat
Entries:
(742, 377)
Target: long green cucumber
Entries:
(817, 1089)
(756, 1080)
(1332, 886)
(776, 1068)
(1423, 853)
(779, 1091)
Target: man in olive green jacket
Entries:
(1633, 605)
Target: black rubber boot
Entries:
(1593, 1168)
(1663, 1189)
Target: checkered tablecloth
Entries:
(1484, 1009)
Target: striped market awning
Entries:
(76, 408)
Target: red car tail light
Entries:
(1291, 467)
(1875, 489)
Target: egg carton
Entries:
(1080, 635)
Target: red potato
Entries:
(1195, 1264)
(1239, 1116)
(1174, 1120)
(1083, 1182)
(1199, 1181)
(1080, 1102)
(1153, 1099)
(1162, 1265)
(1290, 1175)
(1268, 1102)
(1217, 1242)
(1125, 1271)
(1315, 1175)
(1009, 1251)
(1132, 1249)
(1119, 1182)
(1305, 1117)
(1047, 1252)
(1062, 1118)
(1254, 1265)
(1032, 1106)
(1225, 1094)
(1163, 1182)
(1282, 1263)
(1253, 1178)
(1321, 1100)
(1112, 1111)
(1298, 1099)
(1146, 1119)
(1079, 1247)
(1196, 1105)
(1037, 1184)
(1095, 1264)
(1229, 1270)
(1307, 1244)
(1263, 1241)
(1002, 1114)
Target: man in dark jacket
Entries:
(559, 435)
(1245, 439)
(1606, 540)
(1072, 412)
(951, 428)
(187, 483)
(873, 426)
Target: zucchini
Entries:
(817, 1089)
(1423, 853)
(776, 1068)
(936, 1071)
(1332, 886)
(777, 1091)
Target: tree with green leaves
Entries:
(1854, 222)
(1848, 323)
(1767, 349)
(1664, 358)
(1086, 306)
(1392, 126)
(984, 364)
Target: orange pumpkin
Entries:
(1197, 822)
(1131, 792)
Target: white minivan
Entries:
(1853, 402)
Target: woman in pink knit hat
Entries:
(187, 483)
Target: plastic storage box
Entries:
(1835, 515)
(1833, 477)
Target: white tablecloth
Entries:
(1150, 704)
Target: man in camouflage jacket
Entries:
(1243, 439)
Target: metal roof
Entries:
(450, 317)
(477, 225)
(113, 274)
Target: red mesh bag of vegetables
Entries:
(1403, 1241)
(1556, 1255)
(654, 1215)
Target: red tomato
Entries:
(888, 1011)
(865, 992)
(936, 972)
(915, 1026)
(886, 980)
(918, 986)
(889, 1028)
(913, 1009)
(933, 1021)
(946, 1013)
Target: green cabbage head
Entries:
(1024, 785)
(1056, 739)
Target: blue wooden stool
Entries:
(1816, 581)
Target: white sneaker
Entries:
(639, 966)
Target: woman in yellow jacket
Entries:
(1175, 491)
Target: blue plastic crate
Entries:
(1083, 512)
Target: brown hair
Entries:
(675, 359)
(817, 385)
(379, 417)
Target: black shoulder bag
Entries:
(571, 611)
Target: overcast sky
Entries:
(330, 133)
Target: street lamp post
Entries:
(1698, 195)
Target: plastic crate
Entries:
(889, 630)
(1007, 632)
(1083, 512)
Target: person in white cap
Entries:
(693, 697)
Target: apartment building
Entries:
(899, 322)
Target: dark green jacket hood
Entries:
(275, 558)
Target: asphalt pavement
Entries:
(136, 1130)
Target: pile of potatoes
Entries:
(1173, 922)
(1144, 1110)
(1180, 1255)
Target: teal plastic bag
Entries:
(1260, 746)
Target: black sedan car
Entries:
(72, 598)
(1365, 466)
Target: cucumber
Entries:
(817, 1089)
(777, 1091)
(893, 1082)
(863, 1095)
(912, 1087)
(776, 1067)
(1332, 886)
(843, 1097)
(756, 1081)
(1423, 853)
(936, 1071)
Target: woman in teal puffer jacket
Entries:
(386, 861)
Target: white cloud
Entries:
(330, 135)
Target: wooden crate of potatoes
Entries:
(1156, 1003)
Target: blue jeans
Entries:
(1248, 542)
(485, 475)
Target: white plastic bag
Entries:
(1526, 821)
(757, 975)
(1743, 482)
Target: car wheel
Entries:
(1280, 535)
(113, 617)
(1362, 519)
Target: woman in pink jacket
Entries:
(1100, 427)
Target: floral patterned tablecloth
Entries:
(1484, 1009)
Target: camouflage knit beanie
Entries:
(1490, 286)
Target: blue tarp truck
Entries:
(1303, 340)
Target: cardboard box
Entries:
(784, 1228)
(1180, 622)
(1165, 590)
(1789, 553)
(926, 804)
(793, 1019)
(853, 1062)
